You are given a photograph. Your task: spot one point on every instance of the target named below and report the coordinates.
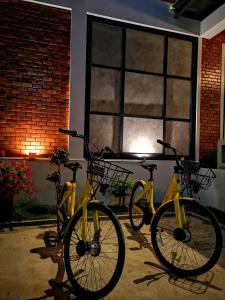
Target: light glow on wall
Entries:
(141, 145)
(31, 151)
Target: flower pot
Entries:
(6, 208)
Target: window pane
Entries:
(105, 90)
(104, 131)
(143, 94)
(177, 134)
(140, 135)
(178, 98)
(179, 57)
(144, 51)
(106, 45)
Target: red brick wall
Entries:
(210, 93)
(34, 77)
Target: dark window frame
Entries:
(192, 79)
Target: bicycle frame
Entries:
(69, 197)
(172, 194)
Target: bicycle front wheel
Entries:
(94, 267)
(191, 250)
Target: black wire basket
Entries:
(105, 174)
(196, 176)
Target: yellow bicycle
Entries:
(94, 249)
(185, 236)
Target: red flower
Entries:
(15, 177)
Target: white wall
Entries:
(46, 190)
(213, 197)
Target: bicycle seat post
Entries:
(151, 174)
(74, 175)
(73, 166)
(150, 167)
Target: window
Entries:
(141, 86)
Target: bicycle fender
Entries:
(140, 181)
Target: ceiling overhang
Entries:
(195, 9)
(213, 24)
(210, 14)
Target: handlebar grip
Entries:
(166, 145)
(69, 132)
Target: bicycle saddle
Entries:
(73, 165)
(148, 166)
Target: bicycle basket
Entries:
(195, 176)
(105, 174)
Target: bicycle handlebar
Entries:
(108, 149)
(72, 133)
(104, 150)
(167, 145)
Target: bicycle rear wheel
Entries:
(192, 250)
(94, 267)
(136, 215)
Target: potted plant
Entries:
(15, 177)
(120, 189)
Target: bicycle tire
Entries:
(136, 225)
(204, 256)
(81, 289)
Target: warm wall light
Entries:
(32, 155)
(31, 150)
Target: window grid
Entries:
(164, 75)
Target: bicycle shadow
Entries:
(138, 237)
(197, 285)
(59, 287)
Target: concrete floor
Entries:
(29, 271)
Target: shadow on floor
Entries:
(197, 285)
(59, 287)
(138, 237)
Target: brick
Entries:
(35, 87)
(210, 93)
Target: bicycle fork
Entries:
(182, 232)
(85, 223)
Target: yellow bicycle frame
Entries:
(172, 194)
(69, 197)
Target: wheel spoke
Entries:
(194, 254)
(101, 254)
